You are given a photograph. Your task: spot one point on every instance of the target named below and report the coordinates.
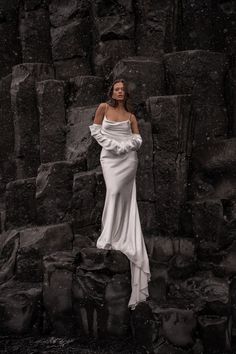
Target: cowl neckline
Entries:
(113, 121)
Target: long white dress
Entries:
(121, 228)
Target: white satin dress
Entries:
(121, 228)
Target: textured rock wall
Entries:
(57, 59)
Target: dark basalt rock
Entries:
(34, 28)
(136, 71)
(53, 191)
(57, 285)
(35, 243)
(10, 45)
(21, 308)
(197, 73)
(216, 332)
(20, 203)
(52, 120)
(57, 60)
(9, 244)
(25, 115)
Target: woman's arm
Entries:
(100, 112)
(134, 124)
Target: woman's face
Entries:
(118, 91)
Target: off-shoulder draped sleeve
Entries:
(132, 143)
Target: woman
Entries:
(115, 128)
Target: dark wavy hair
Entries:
(127, 100)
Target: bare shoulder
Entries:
(102, 107)
(100, 111)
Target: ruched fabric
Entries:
(121, 228)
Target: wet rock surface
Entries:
(58, 59)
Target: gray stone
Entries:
(20, 203)
(88, 199)
(70, 40)
(9, 243)
(34, 28)
(7, 162)
(26, 124)
(79, 142)
(62, 11)
(207, 219)
(6, 117)
(224, 19)
(167, 348)
(158, 284)
(85, 91)
(52, 120)
(100, 196)
(162, 249)
(30, 5)
(182, 267)
(78, 136)
(105, 310)
(195, 72)
(53, 191)
(203, 292)
(171, 120)
(215, 160)
(215, 332)
(113, 21)
(37, 242)
(117, 296)
(88, 305)
(230, 93)
(72, 67)
(93, 259)
(57, 285)
(20, 306)
(197, 24)
(145, 177)
(10, 46)
(156, 23)
(144, 327)
(102, 9)
(113, 27)
(137, 70)
(233, 302)
(7, 174)
(216, 157)
(145, 153)
(107, 54)
(145, 185)
(170, 188)
(2, 221)
(177, 325)
(147, 215)
(80, 242)
(201, 73)
(229, 261)
(83, 201)
(172, 126)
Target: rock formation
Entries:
(57, 59)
